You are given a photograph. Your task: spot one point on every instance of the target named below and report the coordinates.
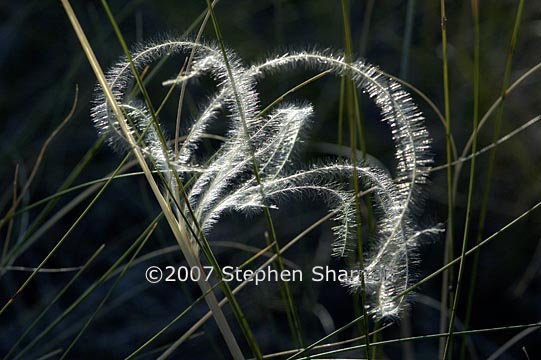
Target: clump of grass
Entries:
(227, 180)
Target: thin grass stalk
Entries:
(497, 104)
(341, 101)
(446, 293)
(490, 146)
(371, 222)
(353, 109)
(283, 294)
(490, 171)
(11, 220)
(50, 354)
(370, 216)
(511, 342)
(406, 43)
(353, 126)
(367, 18)
(185, 84)
(430, 336)
(476, 70)
(338, 343)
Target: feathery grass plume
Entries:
(227, 182)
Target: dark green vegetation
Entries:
(62, 204)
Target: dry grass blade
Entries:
(169, 215)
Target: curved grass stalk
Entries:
(323, 346)
(533, 326)
(498, 142)
(498, 103)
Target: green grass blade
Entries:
(491, 164)
(448, 277)
(355, 125)
(476, 70)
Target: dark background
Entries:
(41, 62)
